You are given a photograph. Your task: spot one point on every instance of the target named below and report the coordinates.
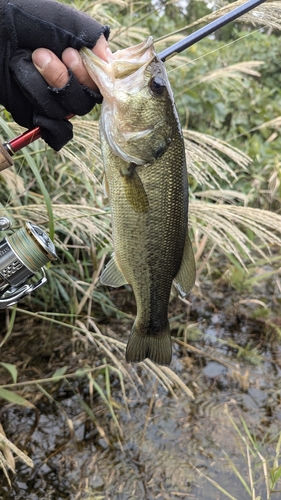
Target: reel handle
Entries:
(13, 294)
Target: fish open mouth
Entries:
(117, 72)
(129, 82)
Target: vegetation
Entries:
(227, 91)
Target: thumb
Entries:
(50, 67)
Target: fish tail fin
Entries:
(158, 348)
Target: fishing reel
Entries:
(22, 254)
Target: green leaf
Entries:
(44, 190)
(12, 370)
(60, 372)
(10, 325)
(13, 397)
(277, 473)
(81, 372)
(107, 402)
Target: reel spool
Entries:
(22, 254)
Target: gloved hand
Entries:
(26, 25)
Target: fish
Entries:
(146, 182)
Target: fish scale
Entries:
(146, 180)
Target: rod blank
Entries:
(209, 28)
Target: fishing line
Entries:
(215, 50)
(212, 16)
(26, 246)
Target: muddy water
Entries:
(169, 445)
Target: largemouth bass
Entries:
(146, 181)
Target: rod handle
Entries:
(5, 158)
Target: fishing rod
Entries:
(8, 149)
(198, 35)
(26, 251)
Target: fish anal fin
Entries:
(134, 190)
(186, 275)
(112, 274)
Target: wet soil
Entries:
(169, 444)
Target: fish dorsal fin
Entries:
(185, 278)
(112, 275)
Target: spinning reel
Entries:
(22, 254)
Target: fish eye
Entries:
(157, 85)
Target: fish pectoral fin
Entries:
(105, 186)
(112, 275)
(134, 190)
(185, 278)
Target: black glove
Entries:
(26, 25)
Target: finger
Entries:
(50, 67)
(101, 49)
(73, 61)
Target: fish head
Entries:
(138, 112)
